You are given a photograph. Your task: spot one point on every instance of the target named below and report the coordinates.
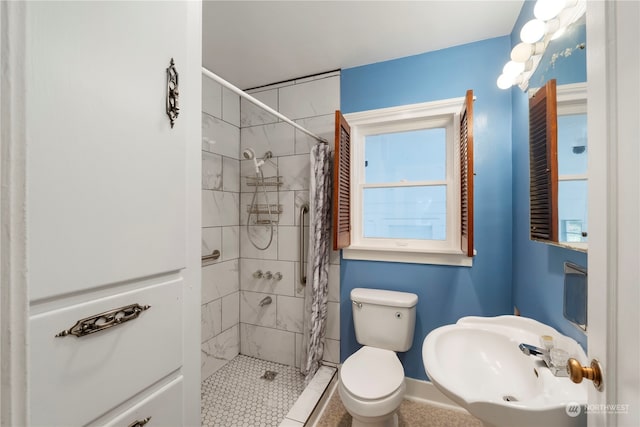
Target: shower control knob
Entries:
(258, 274)
(277, 276)
(268, 275)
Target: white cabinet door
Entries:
(102, 370)
(162, 409)
(112, 205)
(105, 171)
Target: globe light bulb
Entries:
(513, 68)
(522, 52)
(504, 81)
(533, 31)
(545, 10)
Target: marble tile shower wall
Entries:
(220, 226)
(274, 331)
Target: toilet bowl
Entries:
(372, 379)
(372, 387)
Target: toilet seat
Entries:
(372, 373)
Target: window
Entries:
(408, 195)
(543, 164)
(558, 164)
(572, 165)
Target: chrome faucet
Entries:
(532, 350)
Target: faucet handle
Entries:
(277, 276)
(268, 275)
(258, 274)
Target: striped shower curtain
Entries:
(316, 291)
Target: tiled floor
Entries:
(410, 414)
(236, 396)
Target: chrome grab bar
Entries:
(214, 255)
(303, 210)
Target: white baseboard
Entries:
(425, 391)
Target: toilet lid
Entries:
(372, 373)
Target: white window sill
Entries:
(455, 258)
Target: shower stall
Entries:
(255, 188)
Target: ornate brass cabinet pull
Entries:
(105, 320)
(173, 93)
(139, 423)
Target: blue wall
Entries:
(537, 267)
(444, 293)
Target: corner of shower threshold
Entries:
(309, 404)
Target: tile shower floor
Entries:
(237, 396)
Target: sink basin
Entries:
(477, 364)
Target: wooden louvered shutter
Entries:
(466, 175)
(342, 184)
(543, 163)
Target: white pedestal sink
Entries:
(477, 364)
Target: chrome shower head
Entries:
(249, 154)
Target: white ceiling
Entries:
(254, 43)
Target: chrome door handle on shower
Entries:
(303, 210)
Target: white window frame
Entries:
(437, 114)
(572, 99)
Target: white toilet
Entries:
(372, 379)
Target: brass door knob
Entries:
(577, 372)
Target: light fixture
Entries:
(533, 31)
(545, 10)
(552, 18)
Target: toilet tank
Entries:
(384, 319)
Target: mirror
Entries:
(558, 144)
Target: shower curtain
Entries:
(316, 291)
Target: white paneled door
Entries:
(613, 67)
(112, 210)
(106, 171)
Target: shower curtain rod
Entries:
(265, 107)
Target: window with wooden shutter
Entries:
(543, 166)
(466, 175)
(412, 183)
(342, 184)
